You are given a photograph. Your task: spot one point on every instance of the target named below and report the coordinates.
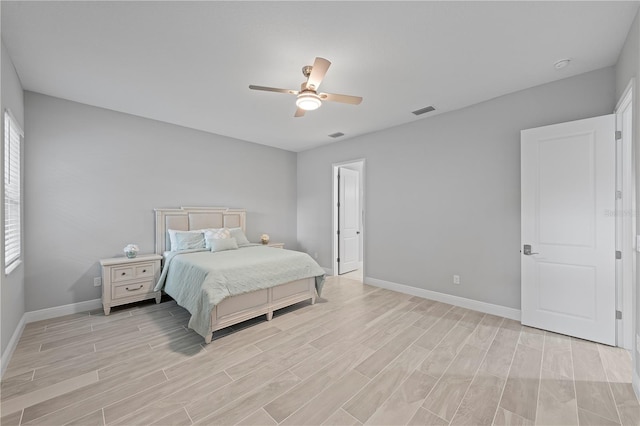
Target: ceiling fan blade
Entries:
(299, 112)
(345, 99)
(273, 89)
(320, 67)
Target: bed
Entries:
(227, 287)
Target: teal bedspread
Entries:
(198, 280)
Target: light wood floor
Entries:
(360, 355)
(354, 275)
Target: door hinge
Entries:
(338, 259)
(618, 195)
(618, 254)
(338, 232)
(618, 314)
(618, 135)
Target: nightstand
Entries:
(275, 245)
(127, 280)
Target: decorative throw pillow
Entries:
(188, 241)
(214, 233)
(222, 244)
(217, 234)
(195, 235)
(239, 236)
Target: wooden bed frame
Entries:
(235, 309)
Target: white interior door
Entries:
(348, 220)
(568, 220)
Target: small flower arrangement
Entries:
(131, 250)
(264, 239)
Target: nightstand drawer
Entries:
(126, 273)
(123, 273)
(132, 289)
(144, 270)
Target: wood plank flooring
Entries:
(361, 355)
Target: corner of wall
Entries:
(11, 286)
(11, 346)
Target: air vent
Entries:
(336, 135)
(424, 110)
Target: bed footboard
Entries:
(236, 309)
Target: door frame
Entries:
(334, 213)
(625, 220)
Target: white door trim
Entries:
(334, 212)
(625, 219)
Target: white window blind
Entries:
(12, 199)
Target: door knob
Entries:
(527, 250)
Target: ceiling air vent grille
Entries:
(424, 110)
(336, 135)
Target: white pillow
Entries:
(180, 239)
(212, 233)
(239, 236)
(222, 244)
(215, 234)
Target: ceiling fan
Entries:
(308, 97)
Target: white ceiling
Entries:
(190, 63)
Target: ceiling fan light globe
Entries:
(308, 101)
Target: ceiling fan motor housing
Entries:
(308, 100)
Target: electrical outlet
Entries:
(456, 279)
(97, 282)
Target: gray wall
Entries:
(94, 177)
(12, 297)
(628, 61)
(442, 194)
(628, 67)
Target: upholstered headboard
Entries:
(190, 218)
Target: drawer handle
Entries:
(124, 273)
(144, 270)
(134, 289)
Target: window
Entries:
(12, 200)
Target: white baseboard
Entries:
(40, 315)
(59, 311)
(635, 382)
(11, 347)
(487, 308)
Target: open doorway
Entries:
(348, 219)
